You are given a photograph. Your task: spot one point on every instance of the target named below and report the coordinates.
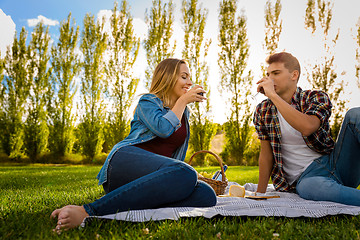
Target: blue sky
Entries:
(23, 10)
(294, 38)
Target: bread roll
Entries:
(237, 191)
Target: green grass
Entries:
(28, 194)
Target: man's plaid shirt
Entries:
(268, 128)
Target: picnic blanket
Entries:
(288, 205)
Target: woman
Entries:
(146, 169)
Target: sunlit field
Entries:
(28, 194)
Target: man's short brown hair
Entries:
(290, 62)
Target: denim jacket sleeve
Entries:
(151, 119)
(152, 114)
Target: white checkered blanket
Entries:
(288, 205)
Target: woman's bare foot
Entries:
(69, 217)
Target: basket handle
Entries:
(217, 158)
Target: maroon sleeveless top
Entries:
(166, 146)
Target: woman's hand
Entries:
(195, 94)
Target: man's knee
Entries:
(317, 188)
(353, 114)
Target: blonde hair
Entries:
(164, 78)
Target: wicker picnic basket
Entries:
(218, 186)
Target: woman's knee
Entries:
(188, 174)
(209, 194)
(180, 176)
(205, 193)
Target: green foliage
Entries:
(233, 62)
(2, 109)
(242, 146)
(160, 21)
(195, 52)
(2, 88)
(93, 46)
(273, 26)
(323, 75)
(323, 10)
(36, 129)
(66, 67)
(357, 66)
(16, 87)
(200, 139)
(310, 22)
(123, 48)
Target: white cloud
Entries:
(7, 29)
(46, 21)
(140, 27)
(106, 15)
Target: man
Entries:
(297, 150)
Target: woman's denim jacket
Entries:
(151, 119)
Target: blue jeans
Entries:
(335, 177)
(138, 179)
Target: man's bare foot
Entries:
(69, 217)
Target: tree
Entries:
(66, 66)
(16, 88)
(123, 48)
(93, 46)
(2, 94)
(195, 52)
(357, 66)
(323, 75)
(273, 26)
(157, 45)
(2, 87)
(36, 129)
(235, 81)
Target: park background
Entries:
(69, 87)
(30, 106)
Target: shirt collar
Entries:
(296, 97)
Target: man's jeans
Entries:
(335, 177)
(138, 179)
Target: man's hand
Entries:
(266, 86)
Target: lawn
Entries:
(28, 194)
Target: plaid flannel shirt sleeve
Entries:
(319, 104)
(258, 121)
